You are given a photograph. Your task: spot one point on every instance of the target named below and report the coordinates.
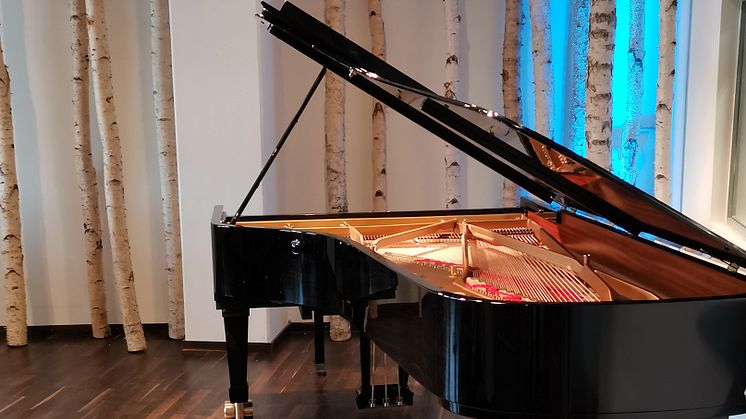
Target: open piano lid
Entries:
(546, 169)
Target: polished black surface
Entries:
(651, 359)
(666, 360)
(682, 356)
(254, 267)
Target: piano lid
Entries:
(548, 170)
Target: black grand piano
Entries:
(602, 302)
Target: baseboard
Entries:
(301, 327)
(82, 330)
(305, 326)
(193, 345)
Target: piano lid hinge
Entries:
(733, 267)
(563, 202)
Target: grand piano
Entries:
(600, 301)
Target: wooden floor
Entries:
(72, 376)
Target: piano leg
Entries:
(318, 329)
(365, 393)
(237, 350)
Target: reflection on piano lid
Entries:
(547, 169)
(608, 303)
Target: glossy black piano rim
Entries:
(556, 314)
(606, 342)
(220, 220)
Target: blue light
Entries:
(646, 151)
(577, 42)
(559, 23)
(620, 71)
(565, 52)
(650, 61)
(526, 76)
(559, 26)
(642, 174)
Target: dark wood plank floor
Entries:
(72, 376)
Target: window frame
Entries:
(711, 83)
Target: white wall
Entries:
(220, 89)
(217, 91)
(416, 45)
(36, 38)
(415, 169)
(244, 109)
(218, 98)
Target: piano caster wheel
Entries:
(400, 401)
(238, 410)
(372, 403)
(385, 402)
(321, 370)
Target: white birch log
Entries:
(541, 53)
(634, 90)
(378, 47)
(378, 41)
(452, 90)
(86, 172)
(578, 73)
(163, 96)
(512, 43)
(334, 125)
(10, 221)
(103, 90)
(664, 98)
(598, 88)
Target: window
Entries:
(714, 164)
(737, 192)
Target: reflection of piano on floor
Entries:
(599, 308)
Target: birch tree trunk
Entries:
(163, 96)
(598, 88)
(452, 90)
(512, 44)
(334, 124)
(10, 221)
(579, 73)
(664, 98)
(113, 180)
(378, 47)
(378, 40)
(541, 53)
(634, 90)
(86, 172)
